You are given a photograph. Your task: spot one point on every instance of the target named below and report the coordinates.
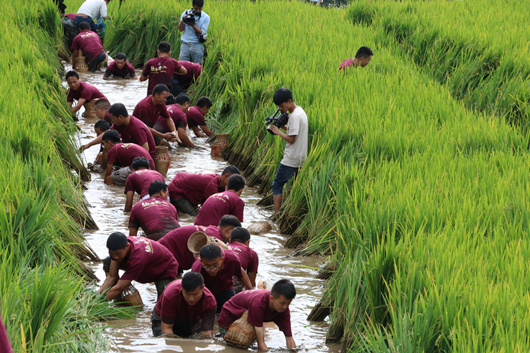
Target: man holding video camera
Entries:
(296, 140)
(194, 24)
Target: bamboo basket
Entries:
(162, 160)
(80, 64)
(199, 239)
(130, 297)
(240, 333)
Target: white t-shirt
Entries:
(93, 8)
(294, 154)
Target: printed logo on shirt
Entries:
(87, 35)
(126, 145)
(147, 243)
(148, 204)
(161, 69)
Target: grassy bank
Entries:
(417, 199)
(43, 300)
(478, 50)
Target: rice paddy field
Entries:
(415, 184)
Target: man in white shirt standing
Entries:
(296, 140)
(90, 10)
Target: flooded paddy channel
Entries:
(106, 205)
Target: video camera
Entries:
(277, 121)
(189, 17)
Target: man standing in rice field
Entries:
(296, 140)
(362, 58)
(193, 25)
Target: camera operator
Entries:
(194, 24)
(296, 139)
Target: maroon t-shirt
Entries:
(125, 153)
(5, 345)
(195, 117)
(137, 132)
(155, 215)
(71, 15)
(194, 71)
(177, 115)
(160, 70)
(195, 187)
(108, 118)
(125, 72)
(85, 91)
(218, 205)
(222, 281)
(176, 242)
(248, 257)
(172, 306)
(147, 112)
(89, 42)
(140, 180)
(257, 304)
(148, 261)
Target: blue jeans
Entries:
(193, 52)
(79, 19)
(94, 62)
(283, 174)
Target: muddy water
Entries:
(106, 205)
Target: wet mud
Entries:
(106, 204)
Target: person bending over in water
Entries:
(362, 58)
(263, 306)
(218, 266)
(155, 215)
(195, 117)
(139, 181)
(227, 202)
(186, 307)
(176, 241)
(120, 68)
(142, 259)
(187, 190)
(122, 154)
(81, 91)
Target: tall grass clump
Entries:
(44, 301)
(477, 49)
(417, 200)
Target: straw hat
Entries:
(130, 297)
(199, 239)
(260, 227)
(240, 333)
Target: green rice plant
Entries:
(43, 210)
(415, 190)
(459, 45)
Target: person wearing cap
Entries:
(176, 241)
(188, 190)
(228, 202)
(142, 259)
(263, 306)
(185, 307)
(155, 215)
(218, 266)
(139, 181)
